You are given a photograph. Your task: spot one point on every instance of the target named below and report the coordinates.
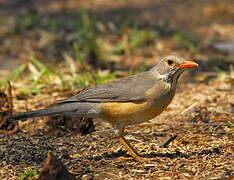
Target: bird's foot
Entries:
(136, 158)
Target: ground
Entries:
(192, 139)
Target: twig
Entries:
(189, 108)
(168, 141)
(225, 89)
(10, 98)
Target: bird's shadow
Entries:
(151, 155)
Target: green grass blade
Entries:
(38, 64)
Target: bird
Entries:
(128, 101)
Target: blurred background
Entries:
(51, 49)
(112, 35)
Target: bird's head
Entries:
(171, 67)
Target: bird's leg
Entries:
(119, 132)
(129, 147)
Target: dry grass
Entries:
(202, 149)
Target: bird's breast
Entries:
(116, 112)
(127, 113)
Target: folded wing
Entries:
(128, 89)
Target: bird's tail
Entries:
(42, 112)
(73, 108)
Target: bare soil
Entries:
(202, 147)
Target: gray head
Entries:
(171, 67)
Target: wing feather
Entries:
(131, 88)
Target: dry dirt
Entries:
(201, 147)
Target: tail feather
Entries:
(82, 109)
(31, 114)
(42, 112)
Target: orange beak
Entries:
(187, 64)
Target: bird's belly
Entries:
(128, 113)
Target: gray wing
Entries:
(131, 88)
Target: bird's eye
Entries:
(170, 62)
